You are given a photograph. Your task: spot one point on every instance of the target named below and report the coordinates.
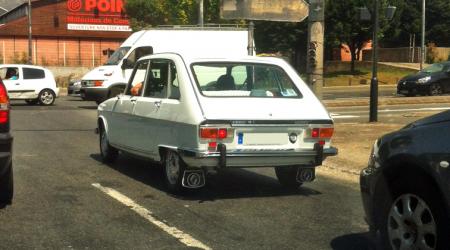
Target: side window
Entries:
(135, 85)
(239, 73)
(138, 53)
(161, 80)
(174, 88)
(10, 73)
(29, 73)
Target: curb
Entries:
(383, 101)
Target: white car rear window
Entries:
(244, 80)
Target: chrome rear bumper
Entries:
(248, 158)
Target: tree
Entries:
(344, 26)
(145, 13)
(408, 21)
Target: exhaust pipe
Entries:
(193, 179)
(306, 174)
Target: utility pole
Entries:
(251, 38)
(422, 49)
(200, 13)
(373, 116)
(30, 41)
(316, 28)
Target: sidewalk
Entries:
(354, 142)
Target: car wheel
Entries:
(287, 176)
(435, 89)
(46, 97)
(173, 171)
(109, 153)
(6, 187)
(414, 219)
(32, 101)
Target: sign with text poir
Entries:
(270, 10)
(97, 15)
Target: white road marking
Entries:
(365, 112)
(184, 238)
(418, 109)
(338, 116)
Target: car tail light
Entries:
(322, 133)
(4, 104)
(326, 132)
(98, 83)
(214, 133)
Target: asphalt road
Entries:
(67, 199)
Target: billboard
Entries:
(97, 15)
(270, 10)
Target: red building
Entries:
(64, 32)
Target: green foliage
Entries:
(146, 13)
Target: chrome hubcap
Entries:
(46, 97)
(172, 168)
(411, 224)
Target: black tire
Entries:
(46, 97)
(435, 89)
(108, 153)
(7, 187)
(173, 172)
(434, 214)
(287, 176)
(32, 101)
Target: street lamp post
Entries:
(30, 61)
(373, 116)
(422, 49)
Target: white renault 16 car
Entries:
(199, 115)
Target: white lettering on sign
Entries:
(94, 27)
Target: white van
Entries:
(193, 41)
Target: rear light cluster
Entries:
(98, 83)
(213, 134)
(4, 104)
(321, 134)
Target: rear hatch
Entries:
(270, 124)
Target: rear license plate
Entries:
(262, 139)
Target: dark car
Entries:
(433, 80)
(405, 188)
(74, 87)
(6, 172)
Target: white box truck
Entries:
(98, 84)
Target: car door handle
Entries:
(17, 83)
(133, 100)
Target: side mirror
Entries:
(117, 89)
(127, 64)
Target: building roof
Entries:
(7, 5)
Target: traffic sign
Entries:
(270, 10)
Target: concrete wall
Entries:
(404, 54)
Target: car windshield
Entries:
(235, 79)
(434, 68)
(117, 56)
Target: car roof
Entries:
(23, 65)
(248, 59)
